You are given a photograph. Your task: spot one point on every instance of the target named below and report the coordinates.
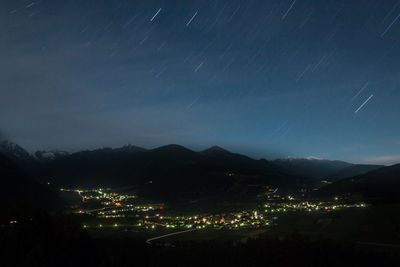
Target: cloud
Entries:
(314, 158)
(385, 160)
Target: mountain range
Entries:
(176, 172)
(316, 169)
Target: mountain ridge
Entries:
(176, 171)
(379, 185)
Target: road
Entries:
(148, 241)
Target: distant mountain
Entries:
(352, 171)
(218, 156)
(380, 185)
(215, 150)
(312, 168)
(170, 171)
(19, 194)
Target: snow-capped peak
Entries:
(50, 155)
(14, 150)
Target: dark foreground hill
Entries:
(353, 170)
(20, 195)
(381, 185)
(55, 243)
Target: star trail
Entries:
(266, 78)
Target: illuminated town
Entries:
(111, 207)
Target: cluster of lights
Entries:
(308, 206)
(106, 203)
(244, 219)
(114, 205)
(128, 211)
(105, 196)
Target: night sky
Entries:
(265, 78)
